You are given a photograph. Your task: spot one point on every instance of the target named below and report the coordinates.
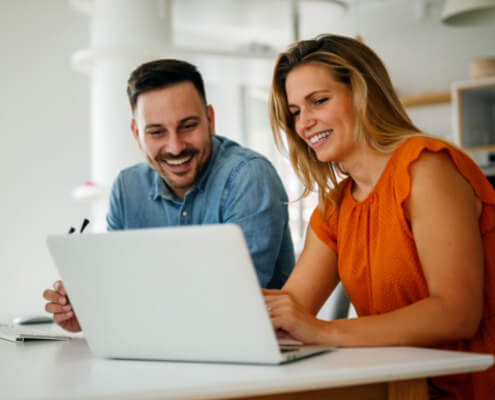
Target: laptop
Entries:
(186, 293)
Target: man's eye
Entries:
(188, 127)
(154, 133)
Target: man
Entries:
(192, 176)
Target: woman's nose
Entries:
(305, 122)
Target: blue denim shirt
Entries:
(238, 186)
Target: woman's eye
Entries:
(321, 100)
(294, 113)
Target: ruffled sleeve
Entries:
(411, 150)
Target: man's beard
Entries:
(168, 176)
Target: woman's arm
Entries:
(315, 275)
(443, 212)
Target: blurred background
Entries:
(64, 112)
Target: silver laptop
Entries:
(183, 294)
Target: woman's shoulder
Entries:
(433, 170)
(426, 152)
(413, 153)
(412, 147)
(428, 162)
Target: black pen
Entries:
(85, 223)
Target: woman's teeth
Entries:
(316, 138)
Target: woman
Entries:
(410, 231)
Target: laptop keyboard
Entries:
(289, 349)
(288, 345)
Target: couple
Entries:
(406, 221)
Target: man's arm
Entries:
(255, 199)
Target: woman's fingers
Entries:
(289, 318)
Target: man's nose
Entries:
(175, 145)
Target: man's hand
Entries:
(59, 305)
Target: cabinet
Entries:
(474, 118)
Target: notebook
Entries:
(186, 293)
(21, 334)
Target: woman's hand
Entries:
(288, 317)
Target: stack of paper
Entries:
(20, 334)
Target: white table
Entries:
(67, 370)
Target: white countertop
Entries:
(67, 370)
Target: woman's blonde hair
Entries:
(380, 117)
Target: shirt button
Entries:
(184, 213)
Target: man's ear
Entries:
(211, 119)
(135, 132)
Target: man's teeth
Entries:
(178, 161)
(316, 138)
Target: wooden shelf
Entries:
(481, 149)
(426, 99)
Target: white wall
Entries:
(421, 54)
(45, 142)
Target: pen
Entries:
(85, 223)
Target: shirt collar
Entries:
(160, 189)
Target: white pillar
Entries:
(123, 34)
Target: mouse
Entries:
(31, 319)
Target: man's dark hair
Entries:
(162, 73)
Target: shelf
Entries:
(426, 99)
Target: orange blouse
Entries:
(379, 265)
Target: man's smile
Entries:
(178, 164)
